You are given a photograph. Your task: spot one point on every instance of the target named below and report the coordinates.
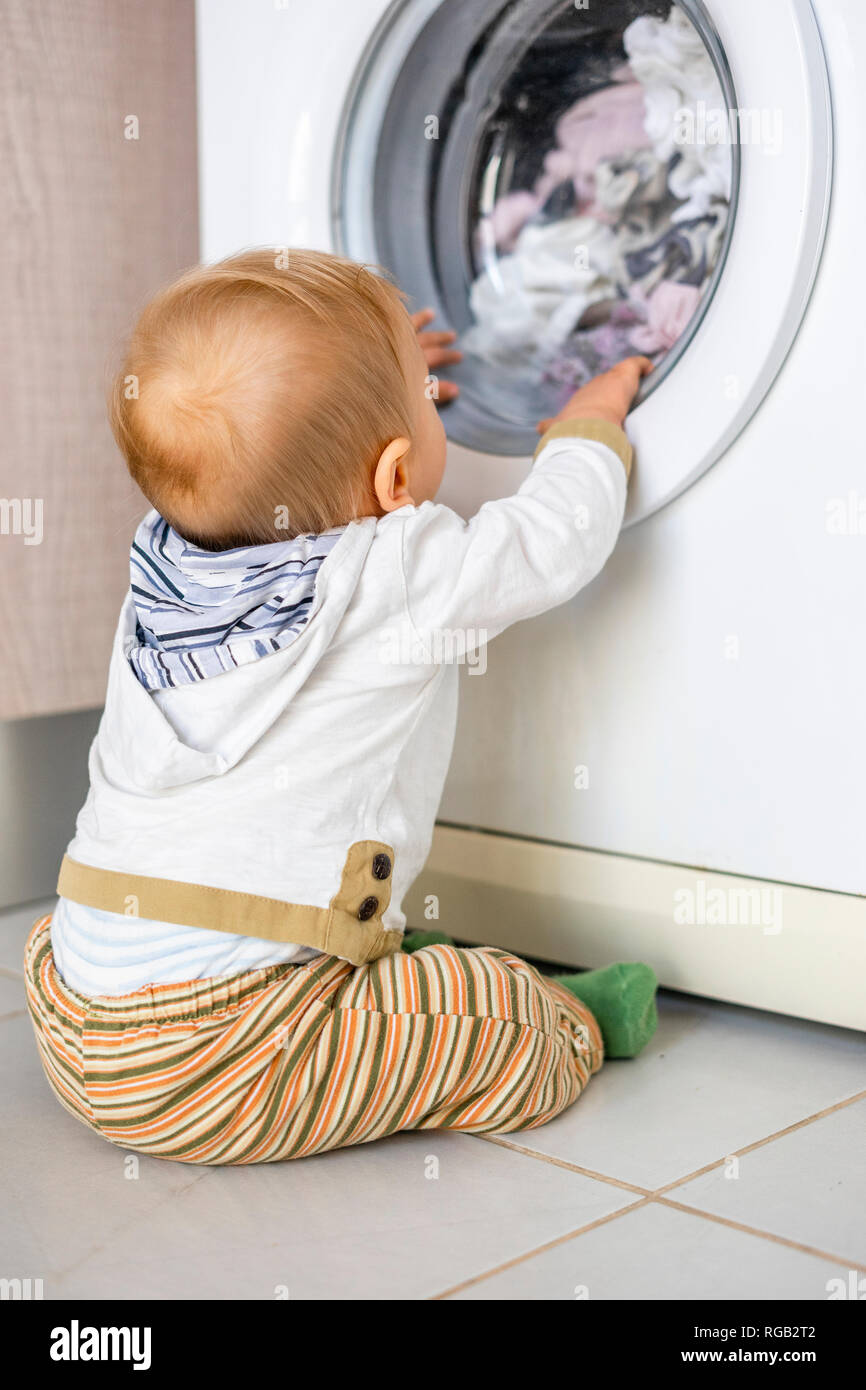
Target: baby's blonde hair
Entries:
(257, 394)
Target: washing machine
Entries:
(671, 767)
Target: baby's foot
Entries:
(414, 940)
(623, 1000)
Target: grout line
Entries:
(13, 1013)
(759, 1143)
(7, 973)
(539, 1250)
(653, 1199)
(756, 1231)
(678, 1182)
(563, 1163)
(656, 1197)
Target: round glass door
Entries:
(558, 180)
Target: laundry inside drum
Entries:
(557, 181)
(598, 204)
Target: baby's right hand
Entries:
(606, 397)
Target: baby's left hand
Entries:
(437, 351)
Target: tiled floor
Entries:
(727, 1162)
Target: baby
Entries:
(225, 978)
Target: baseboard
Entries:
(774, 946)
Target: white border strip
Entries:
(801, 951)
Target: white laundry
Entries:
(670, 61)
(534, 298)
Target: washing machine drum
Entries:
(568, 184)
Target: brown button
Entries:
(381, 866)
(367, 908)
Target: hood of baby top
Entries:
(213, 646)
(200, 613)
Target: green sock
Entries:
(623, 999)
(414, 940)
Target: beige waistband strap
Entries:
(350, 927)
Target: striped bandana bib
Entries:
(203, 612)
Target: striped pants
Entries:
(297, 1059)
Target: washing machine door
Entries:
(568, 183)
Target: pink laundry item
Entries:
(599, 127)
(509, 216)
(512, 211)
(558, 166)
(669, 309)
(596, 127)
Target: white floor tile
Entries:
(65, 1192)
(809, 1186)
(12, 998)
(362, 1223)
(714, 1079)
(658, 1253)
(366, 1223)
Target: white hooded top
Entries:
(260, 779)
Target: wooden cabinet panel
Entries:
(92, 222)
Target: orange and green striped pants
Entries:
(297, 1059)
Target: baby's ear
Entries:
(390, 476)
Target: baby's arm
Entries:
(521, 555)
(606, 397)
